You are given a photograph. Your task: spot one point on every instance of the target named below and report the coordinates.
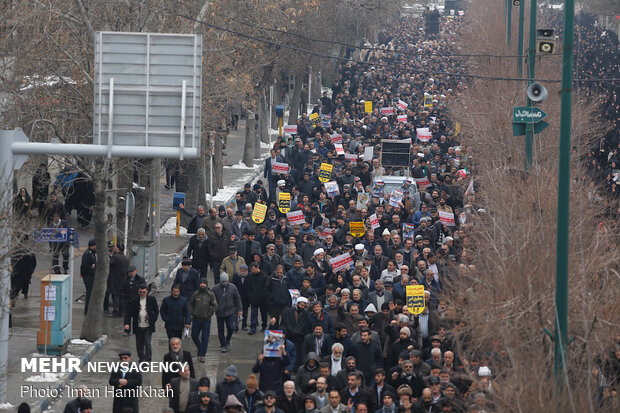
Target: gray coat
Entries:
(228, 299)
(372, 297)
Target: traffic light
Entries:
(545, 47)
(516, 3)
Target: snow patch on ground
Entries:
(241, 165)
(229, 191)
(170, 227)
(80, 342)
(173, 273)
(6, 406)
(43, 377)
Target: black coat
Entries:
(186, 357)
(175, 313)
(119, 264)
(254, 287)
(176, 384)
(88, 259)
(133, 309)
(134, 379)
(130, 288)
(198, 253)
(191, 284)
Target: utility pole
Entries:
(520, 39)
(531, 74)
(508, 23)
(561, 258)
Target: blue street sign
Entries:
(50, 234)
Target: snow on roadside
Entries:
(43, 377)
(6, 406)
(241, 165)
(170, 227)
(80, 342)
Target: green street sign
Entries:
(518, 129)
(540, 126)
(524, 114)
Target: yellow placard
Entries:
(314, 116)
(284, 202)
(368, 107)
(325, 172)
(259, 212)
(457, 129)
(428, 100)
(415, 299)
(357, 229)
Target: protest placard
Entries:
(272, 343)
(332, 188)
(290, 129)
(447, 218)
(258, 214)
(341, 262)
(387, 111)
(402, 118)
(325, 172)
(423, 182)
(369, 152)
(402, 105)
(295, 217)
(374, 221)
(357, 229)
(368, 107)
(339, 148)
(396, 198)
(279, 168)
(336, 138)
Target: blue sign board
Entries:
(178, 198)
(51, 234)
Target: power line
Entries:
(415, 70)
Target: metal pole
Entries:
(72, 277)
(211, 191)
(561, 269)
(270, 112)
(508, 23)
(520, 39)
(155, 222)
(531, 74)
(309, 86)
(126, 237)
(6, 180)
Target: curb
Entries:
(44, 403)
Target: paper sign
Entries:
(259, 212)
(461, 13)
(423, 182)
(290, 129)
(272, 343)
(357, 229)
(408, 230)
(339, 148)
(396, 198)
(325, 172)
(325, 232)
(387, 111)
(279, 168)
(369, 152)
(332, 188)
(314, 117)
(368, 107)
(415, 299)
(295, 294)
(402, 105)
(401, 118)
(341, 262)
(424, 134)
(49, 313)
(295, 217)
(447, 218)
(284, 202)
(374, 221)
(50, 292)
(363, 199)
(335, 138)
(350, 157)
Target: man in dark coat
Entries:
(87, 270)
(368, 355)
(196, 220)
(187, 278)
(40, 187)
(140, 316)
(271, 371)
(180, 400)
(255, 289)
(130, 287)
(176, 354)
(289, 401)
(122, 381)
(198, 252)
(119, 264)
(74, 405)
(175, 313)
(24, 264)
(218, 245)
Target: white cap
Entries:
(318, 251)
(281, 182)
(385, 117)
(370, 308)
(359, 246)
(484, 371)
(302, 300)
(420, 154)
(386, 232)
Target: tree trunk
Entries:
(195, 186)
(264, 118)
(138, 224)
(295, 100)
(278, 90)
(260, 110)
(92, 328)
(250, 133)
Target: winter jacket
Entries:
(198, 250)
(191, 283)
(305, 374)
(230, 267)
(225, 389)
(202, 305)
(218, 246)
(271, 370)
(368, 357)
(254, 287)
(175, 313)
(118, 272)
(228, 299)
(277, 290)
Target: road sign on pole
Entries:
(525, 114)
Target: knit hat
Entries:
(406, 331)
(243, 267)
(231, 370)
(203, 280)
(252, 382)
(404, 390)
(224, 277)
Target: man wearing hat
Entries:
(205, 405)
(87, 270)
(119, 263)
(142, 313)
(239, 226)
(187, 279)
(229, 307)
(233, 262)
(230, 385)
(218, 247)
(125, 380)
(251, 398)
